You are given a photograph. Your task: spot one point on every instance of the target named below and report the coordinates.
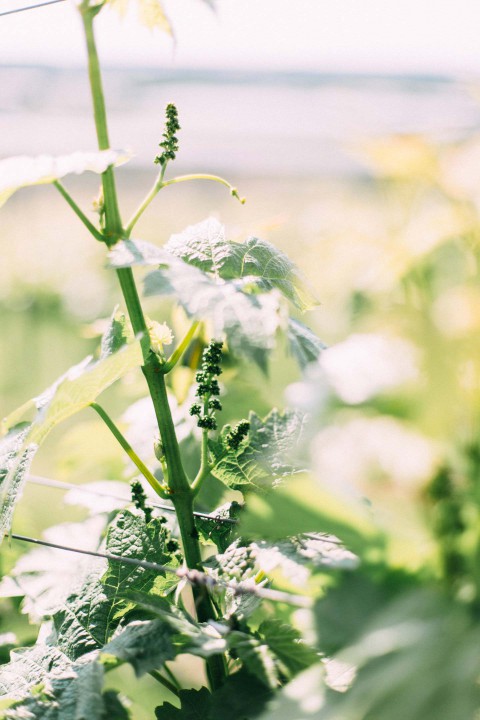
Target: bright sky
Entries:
(351, 35)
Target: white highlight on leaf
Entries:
(23, 170)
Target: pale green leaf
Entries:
(45, 578)
(151, 13)
(117, 334)
(266, 457)
(303, 343)
(22, 171)
(304, 506)
(237, 287)
(302, 699)
(16, 455)
(74, 391)
(287, 645)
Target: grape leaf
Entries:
(144, 644)
(303, 343)
(45, 577)
(242, 693)
(90, 616)
(417, 658)
(287, 645)
(21, 171)
(237, 287)
(204, 245)
(215, 529)
(16, 455)
(44, 684)
(195, 705)
(302, 699)
(117, 334)
(265, 457)
(74, 391)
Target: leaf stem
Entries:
(205, 464)
(163, 681)
(89, 225)
(158, 487)
(178, 352)
(161, 183)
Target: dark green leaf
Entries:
(288, 646)
(244, 696)
(89, 617)
(195, 705)
(266, 457)
(145, 644)
(216, 531)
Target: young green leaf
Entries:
(265, 457)
(205, 246)
(237, 287)
(22, 171)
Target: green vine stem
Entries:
(158, 487)
(161, 183)
(89, 225)
(179, 489)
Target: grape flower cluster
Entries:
(170, 140)
(208, 386)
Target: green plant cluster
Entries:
(317, 562)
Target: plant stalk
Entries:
(179, 487)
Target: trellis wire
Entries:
(30, 7)
(59, 485)
(194, 577)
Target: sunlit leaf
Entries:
(237, 287)
(22, 171)
(265, 457)
(205, 246)
(16, 455)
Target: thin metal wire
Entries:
(194, 577)
(30, 7)
(59, 485)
